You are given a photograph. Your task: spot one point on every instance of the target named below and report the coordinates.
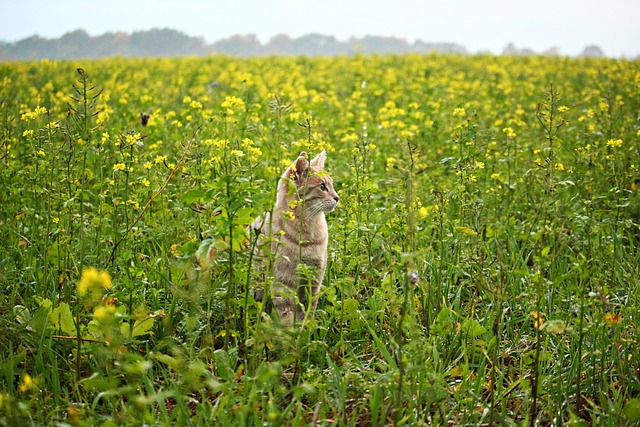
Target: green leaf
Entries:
(188, 248)
(194, 195)
(471, 328)
(556, 326)
(143, 327)
(140, 327)
(62, 319)
(223, 365)
(350, 306)
(53, 251)
(382, 348)
(177, 364)
(632, 409)
(97, 382)
(22, 315)
(445, 322)
(40, 319)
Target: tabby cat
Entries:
(297, 230)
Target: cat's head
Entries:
(311, 183)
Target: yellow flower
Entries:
(174, 250)
(26, 383)
(614, 143)
(233, 104)
(563, 108)
(119, 167)
(350, 137)
(221, 143)
(391, 162)
(509, 132)
(31, 115)
(480, 165)
(93, 279)
(559, 167)
(145, 182)
(133, 138)
(610, 319)
(465, 230)
(104, 314)
(459, 112)
(538, 320)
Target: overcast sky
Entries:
(479, 25)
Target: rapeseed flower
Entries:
(538, 319)
(509, 132)
(32, 115)
(92, 280)
(232, 105)
(26, 384)
(104, 314)
(614, 143)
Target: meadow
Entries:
(484, 258)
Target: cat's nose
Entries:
(336, 198)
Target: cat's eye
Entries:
(323, 186)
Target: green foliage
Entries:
(483, 261)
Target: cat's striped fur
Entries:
(298, 235)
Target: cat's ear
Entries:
(300, 169)
(318, 161)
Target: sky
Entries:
(479, 25)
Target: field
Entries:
(484, 259)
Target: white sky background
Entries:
(479, 25)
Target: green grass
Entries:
(483, 265)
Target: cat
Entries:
(298, 234)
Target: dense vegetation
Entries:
(484, 258)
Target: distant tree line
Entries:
(168, 43)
